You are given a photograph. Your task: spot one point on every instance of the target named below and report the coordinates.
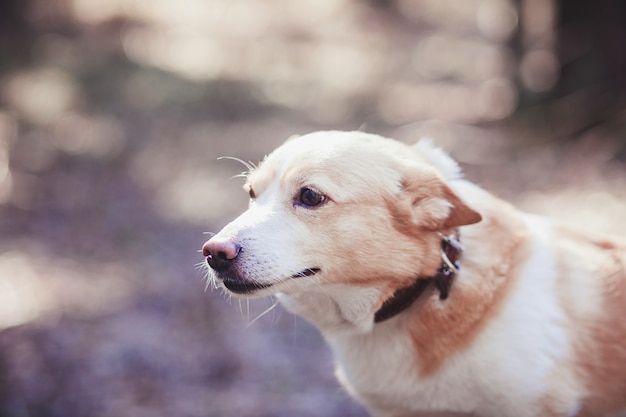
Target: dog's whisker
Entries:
(295, 330)
(240, 308)
(207, 277)
(276, 317)
(241, 175)
(271, 308)
(249, 165)
(202, 266)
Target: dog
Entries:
(436, 297)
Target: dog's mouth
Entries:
(242, 286)
(309, 272)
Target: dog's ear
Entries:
(435, 206)
(459, 214)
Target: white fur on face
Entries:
(282, 239)
(266, 233)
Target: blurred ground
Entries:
(113, 114)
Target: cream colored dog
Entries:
(437, 298)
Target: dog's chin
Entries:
(248, 288)
(244, 287)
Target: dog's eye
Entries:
(252, 193)
(309, 197)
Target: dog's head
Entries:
(333, 208)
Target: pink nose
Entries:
(220, 253)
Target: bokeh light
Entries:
(113, 114)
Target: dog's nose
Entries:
(220, 253)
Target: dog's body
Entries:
(535, 323)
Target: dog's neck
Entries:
(344, 308)
(340, 309)
(404, 297)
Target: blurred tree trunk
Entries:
(592, 51)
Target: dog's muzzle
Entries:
(221, 256)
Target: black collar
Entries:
(404, 297)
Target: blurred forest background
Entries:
(113, 114)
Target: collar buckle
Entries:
(451, 248)
(453, 240)
(447, 266)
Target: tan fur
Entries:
(440, 330)
(600, 339)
